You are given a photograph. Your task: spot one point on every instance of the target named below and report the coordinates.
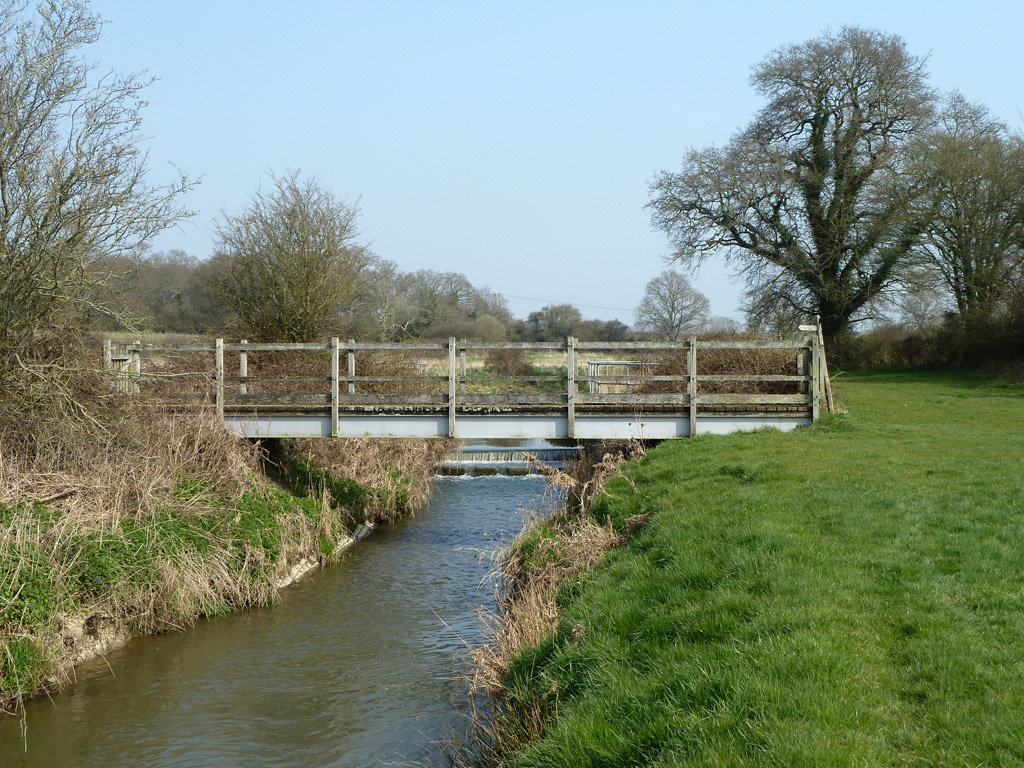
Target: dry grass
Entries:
(398, 472)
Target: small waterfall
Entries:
(504, 461)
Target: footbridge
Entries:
(472, 390)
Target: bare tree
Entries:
(73, 187)
(670, 306)
(973, 170)
(289, 265)
(809, 199)
(440, 297)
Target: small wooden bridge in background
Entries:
(350, 389)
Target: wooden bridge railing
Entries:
(690, 376)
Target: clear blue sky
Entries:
(512, 142)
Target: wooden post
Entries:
(571, 384)
(815, 378)
(801, 370)
(826, 382)
(691, 381)
(335, 364)
(351, 367)
(136, 367)
(451, 386)
(462, 368)
(243, 368)
(219, 349)
(108, 355)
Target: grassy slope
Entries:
(849, 594)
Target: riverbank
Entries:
(846, 594)
(157, 522)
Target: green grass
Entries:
(850, 594)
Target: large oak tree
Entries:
(809, 200)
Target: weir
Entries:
(505, 461)
(475, 390)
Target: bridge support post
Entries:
(335, 363)
(451, 386)
(351, 367)
(135, 367)
(243, 367)
(691, 381)
(219, 352)
(570, 368)
(462, 368)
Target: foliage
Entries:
(288, 264)
(508, 362)
(809, 200)
(72, 177)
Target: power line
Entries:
(573, 303)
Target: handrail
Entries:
(686, 389)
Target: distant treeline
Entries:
(173, 292)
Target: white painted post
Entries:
(571, 384)
(108, 355)
(691, 380)
(243, 368)
(451, 386)
(335, 364)
(219, 352)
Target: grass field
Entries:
(850, 594)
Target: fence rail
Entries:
(689, 377)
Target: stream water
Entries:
(355, 666)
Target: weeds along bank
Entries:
(845, 594)
(116, 520)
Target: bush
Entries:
(508, 362)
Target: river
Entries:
(355, 666)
